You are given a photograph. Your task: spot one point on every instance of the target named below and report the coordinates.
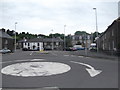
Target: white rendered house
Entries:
(33, 44)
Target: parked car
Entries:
(93, 47)
(79, 47)
(5, 51)
(25, 49)
(70, 49)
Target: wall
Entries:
(110, 40)
(33, 45)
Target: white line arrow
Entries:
(90, 70)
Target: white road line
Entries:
(87, 57)
(31, 53)
(81, 56)
(72, 55)
(37, 59)
(50, 88)
(90, 69)
(66, 55)
(23, 60)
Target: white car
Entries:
(5, 51)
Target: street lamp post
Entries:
(85, 44)
(96, 26)
(15, 35)
(64, 38)
(52, 40)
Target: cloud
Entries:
(40, 16)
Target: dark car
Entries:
(25, 49)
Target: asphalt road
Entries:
(77, 77)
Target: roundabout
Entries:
(31, 69)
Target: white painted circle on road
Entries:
(28, 69)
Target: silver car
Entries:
(5, 51)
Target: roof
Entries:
(118, 19)
(53, 39)
(4, 35)
(35, 40)
(44, 40)
(20, 41)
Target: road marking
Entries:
(29, 69)
(66, 55)
(37, 59)
(50, 88)
(81, 56)
(23, 60)
(31, 53)
(90, 69)
(72, 55)
(87, 57)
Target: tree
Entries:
(3, 30)
(95, 35)
(80, 32)
(56, 35)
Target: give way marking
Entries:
(91, 70)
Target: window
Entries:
(80, 37)
(28, 48)
(45, 43)
(113, 44)
(6, 41)
(105, 36)
(57, 43)
(28, 44)
(73, 38)
(38, 44)
(112, 32)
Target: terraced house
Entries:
(43, 44)
(109, 41)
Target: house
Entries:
(53, 43)
(109, 41)
(33, 44)
(43, 44)
(6, 41)
(83, 39)
(20, 43)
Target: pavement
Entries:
(94, 54)
(77, 77)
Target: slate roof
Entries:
(35, 40)
(45, 40)
(4, 35)
(53, 39)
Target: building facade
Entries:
(43, 44)
(6, 41)
(53, 43)
(84, 40)
(109, 41)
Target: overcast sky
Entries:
(41, 16)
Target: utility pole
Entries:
(64, 38)
(15, 35)
(52, 40)
(96, 26)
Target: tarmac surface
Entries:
(77, 77)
